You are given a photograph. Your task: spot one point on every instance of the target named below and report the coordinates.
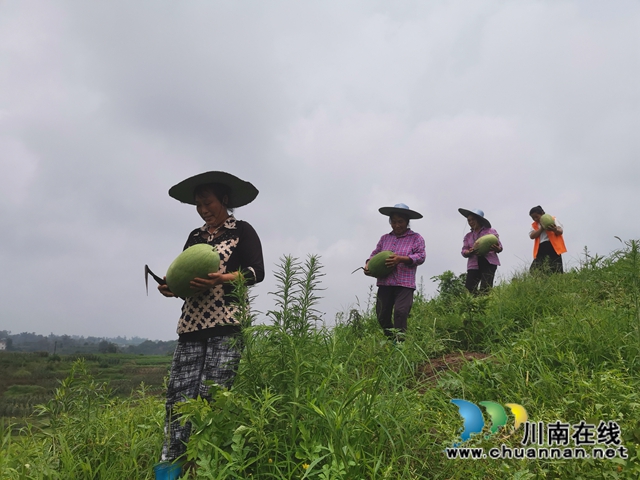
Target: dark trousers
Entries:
(483, 276)
(393, 302)
(547, 259)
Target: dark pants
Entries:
(547, 259)
(393, 302)
(483, 276)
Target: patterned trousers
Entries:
(194, 363)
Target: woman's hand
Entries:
(555, 229)
(496, 248)
(213, 279)
(164, 289)
(394, 260)
(366, 270)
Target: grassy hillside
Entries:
(345, 402)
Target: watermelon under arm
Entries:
(377, 265)
(485, 243)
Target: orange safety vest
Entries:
(557, 242)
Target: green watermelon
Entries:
(196, 261)
(547, 221)
(376, 266)
(484, 244)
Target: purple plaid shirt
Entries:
(470, 238)
(410, 244)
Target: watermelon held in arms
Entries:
(547, 221)
(376, 265)
(197, 261)
(484, 244)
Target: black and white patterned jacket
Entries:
(212, 313)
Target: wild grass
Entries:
(311, 402)
(85, 431)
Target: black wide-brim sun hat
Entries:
(401, 209)
(479, 214)
(241, 192)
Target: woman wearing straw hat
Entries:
(209, 344)
(395, 291)
(481, 269)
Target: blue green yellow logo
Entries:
(474, 420)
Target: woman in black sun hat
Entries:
(209, 343)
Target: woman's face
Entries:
(536, 217)
(399, 225)
(212, 211)
(473, 222)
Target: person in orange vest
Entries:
(548, 245)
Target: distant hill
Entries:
(66, 344)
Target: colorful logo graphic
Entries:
(540, 440)
(474, 420)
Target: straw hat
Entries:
(479, 214)
(401, 209)
(240, 192)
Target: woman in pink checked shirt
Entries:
(395, 291)
(481, 270)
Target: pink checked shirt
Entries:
(410, 244)
(470, 238)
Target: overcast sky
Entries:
(331, 109)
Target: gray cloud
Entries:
(332, 110)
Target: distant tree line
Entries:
(68, 344)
